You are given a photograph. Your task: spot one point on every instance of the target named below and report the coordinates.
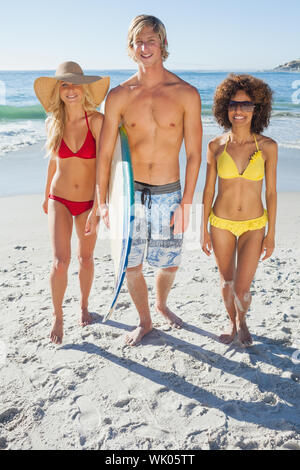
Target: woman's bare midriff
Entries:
(74, 179)
(239, 199)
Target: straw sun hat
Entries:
(70, 72)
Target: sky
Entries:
(202, 34)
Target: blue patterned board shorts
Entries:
(154, 207)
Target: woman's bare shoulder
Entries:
(267, 145)
(96, 121)
(95, 116)
(217, 143)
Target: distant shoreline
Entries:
(291, 66)
(286, 71)
(52, 72)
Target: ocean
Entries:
(22, 117)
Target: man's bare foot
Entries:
(244, 335)
(229, 337)
(57, 332)
(170, 317)
(86, 318)
(136, 335)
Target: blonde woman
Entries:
(73, 129)
(241, 159)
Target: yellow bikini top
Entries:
(254, 171)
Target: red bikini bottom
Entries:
(76, 208)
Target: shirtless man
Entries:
(158, 110)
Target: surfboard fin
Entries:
(108, 315)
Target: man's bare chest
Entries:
(162, 110)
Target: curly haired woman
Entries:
(73, 129)
(241, 158)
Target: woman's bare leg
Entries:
(60, 227)
(249, 250)
(86, 246)
(224, 246)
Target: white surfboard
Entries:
(121, 212)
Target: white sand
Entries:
(179, 389)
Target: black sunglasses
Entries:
(245, 106)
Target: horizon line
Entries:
(135, 70)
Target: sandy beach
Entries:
(179, 389)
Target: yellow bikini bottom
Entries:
(238, 227)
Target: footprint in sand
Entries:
(122, 403)
(88, 417)
(3, 443)
(123, 305)
(8, 415)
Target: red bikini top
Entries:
(87, 150)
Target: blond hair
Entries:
(138, 24)
(55, 122)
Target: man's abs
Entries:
(154, 123)
(155, 153)
(158, 170)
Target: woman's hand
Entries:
(104, 214)
(267, 246)
(206, 242)
(45, 206)
(91, 223)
